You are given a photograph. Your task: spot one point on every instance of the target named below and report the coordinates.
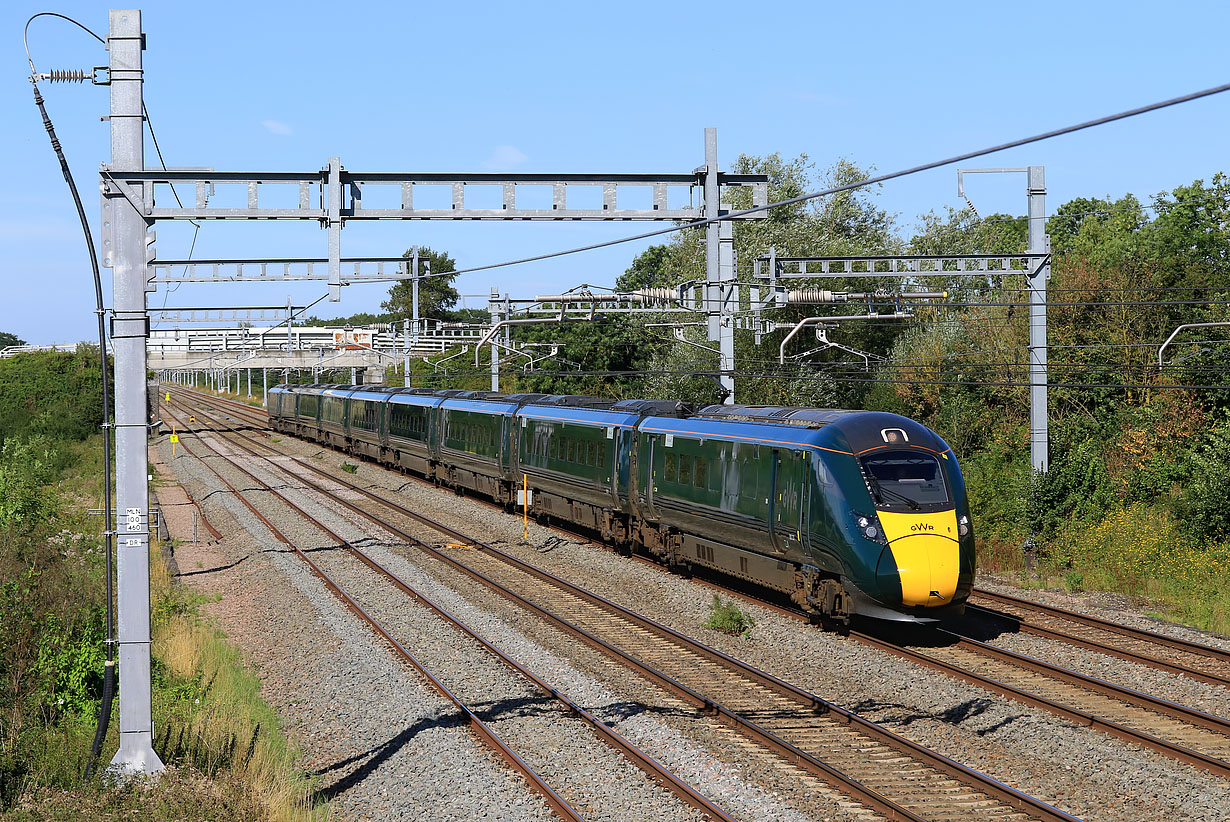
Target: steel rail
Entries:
(1021, 625)
(554, 800)
(815, 703)
(639, 758)
(1081, 717)
(871, 797)
(1173, 710)
(1194, 648)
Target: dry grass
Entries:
(210, 712)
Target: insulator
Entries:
(812, 295)
(69, 75)
(664, 294)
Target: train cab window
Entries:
(700, 474)
(685, 469)
(905, 479)
(669, 474)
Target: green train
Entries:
(847, 512)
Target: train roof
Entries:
(776, 414)
(576, 401)
(655, 408)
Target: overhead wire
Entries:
(869, 181)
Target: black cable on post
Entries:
(108, 694)
(104, 714)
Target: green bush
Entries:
(25, 468)
(54, 393)
(1203, 508)
(70, 662)
(727, 618)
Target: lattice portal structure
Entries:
(353, 270)
(268, 313)
(774, 268)
(335, 193)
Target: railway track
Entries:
(883, 770)
(1182, 733)
(1190, 659)
(520, 760)
(1185, 734)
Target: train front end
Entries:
(906, 520)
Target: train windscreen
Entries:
(905, 479)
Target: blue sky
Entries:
(618, 87)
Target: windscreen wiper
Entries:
(879, 491)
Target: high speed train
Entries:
(847, 512)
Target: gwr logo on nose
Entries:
(922, 526)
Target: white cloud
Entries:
(504, 158)
(277, 127)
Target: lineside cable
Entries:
(108, 694)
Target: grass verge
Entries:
(209, 711)
(227, 758)
(1133, 550)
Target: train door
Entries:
(651, 474)
(788, 499)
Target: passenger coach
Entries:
(845, 511)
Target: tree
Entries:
(648, 270)
(436, 293)
(7, 339)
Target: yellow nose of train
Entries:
(927, 554)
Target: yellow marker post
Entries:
(174, 439)
(168, 396)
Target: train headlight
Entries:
(963, 525)
(869, 527)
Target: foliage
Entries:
(51, 647)
(1204, 509)
(648, 270)
(7, 338)
(26, 466)
(50, 613)
(728, 619)
(436, 293)
(349, 467)
(55, 393)
(362, 318)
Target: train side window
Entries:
(701, 474)
(669, 474)
(822, 470)
(685, 469)
(590, 459)
(572, 450)
(602, 457)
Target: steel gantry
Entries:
(135, 198)
(1034, 265)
